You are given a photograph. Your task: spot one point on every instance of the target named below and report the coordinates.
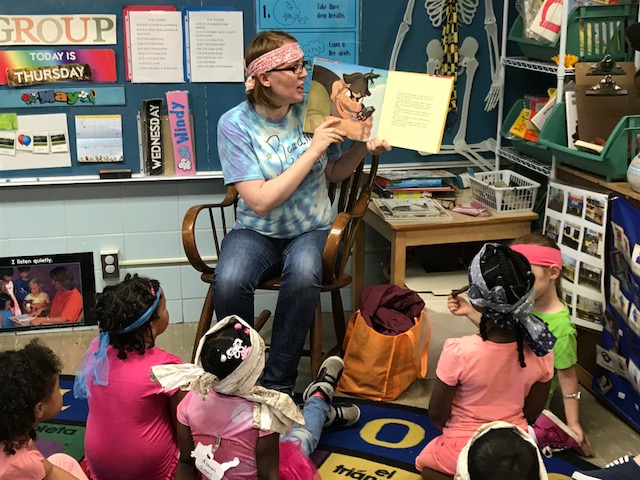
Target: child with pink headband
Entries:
(284, 212)
(546, 264)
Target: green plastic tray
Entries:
(613, 161)
(588, 23)
(531, 149)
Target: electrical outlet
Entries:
(109, 264)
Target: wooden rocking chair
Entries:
(352, 203)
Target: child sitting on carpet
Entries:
(30, 394)
(228, 422)
(546, 263)
(502, 374)
(501, 451)
(131, 423)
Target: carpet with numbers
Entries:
(382, 445)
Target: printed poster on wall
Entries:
(325, 29)
(575, 219)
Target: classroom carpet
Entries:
(382, 445)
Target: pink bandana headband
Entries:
(290, 52)
(539, 254)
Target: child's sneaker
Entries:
(553, 435)
(328, 376)
(342, 415)
(623, 459)
(620, 469)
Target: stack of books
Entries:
(412, 210)
(525, 125)
(404, 184)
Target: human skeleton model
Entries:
(497, 78)
(440, 11)
(468, 65)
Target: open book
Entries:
(407, 109)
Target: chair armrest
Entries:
(337, 233)
(362, 204)
(189, 238)
(189, 229)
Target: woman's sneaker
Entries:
(328, 376)
(342, 415)
(553, 435)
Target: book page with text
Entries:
(415, 110)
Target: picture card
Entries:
(24, 141)
(59, 142)
(7, 143)
(41, 142)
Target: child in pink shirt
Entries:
(501, 374)
(30, 394)
(229, 424)
(131, 424)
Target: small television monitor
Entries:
(46, 291)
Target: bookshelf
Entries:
(560, 72)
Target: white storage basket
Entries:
(518, 193)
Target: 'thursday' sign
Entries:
(73, 72)
(58, 30)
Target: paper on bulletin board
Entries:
(26, 158)
(99, 138)
(156, 47)
(327, 29)
(214, 45)
(576, 219)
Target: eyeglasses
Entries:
(296, 69)
(447, 203)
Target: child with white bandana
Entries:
(501, 451)
(503, 373)
(230, 426)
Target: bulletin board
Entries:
(379, 24)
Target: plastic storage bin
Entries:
(592, 32)
(613, 161)
(531, 149)
(518, 194)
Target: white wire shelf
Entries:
(534, 65)
(516, 157)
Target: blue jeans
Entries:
(315, 414)
(248, 258)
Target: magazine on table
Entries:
(410, 210)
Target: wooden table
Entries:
(462, 228)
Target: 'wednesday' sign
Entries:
(58, 30)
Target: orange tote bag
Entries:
(381, 367)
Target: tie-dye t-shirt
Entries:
(252, 147)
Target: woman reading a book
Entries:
(284, 213)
